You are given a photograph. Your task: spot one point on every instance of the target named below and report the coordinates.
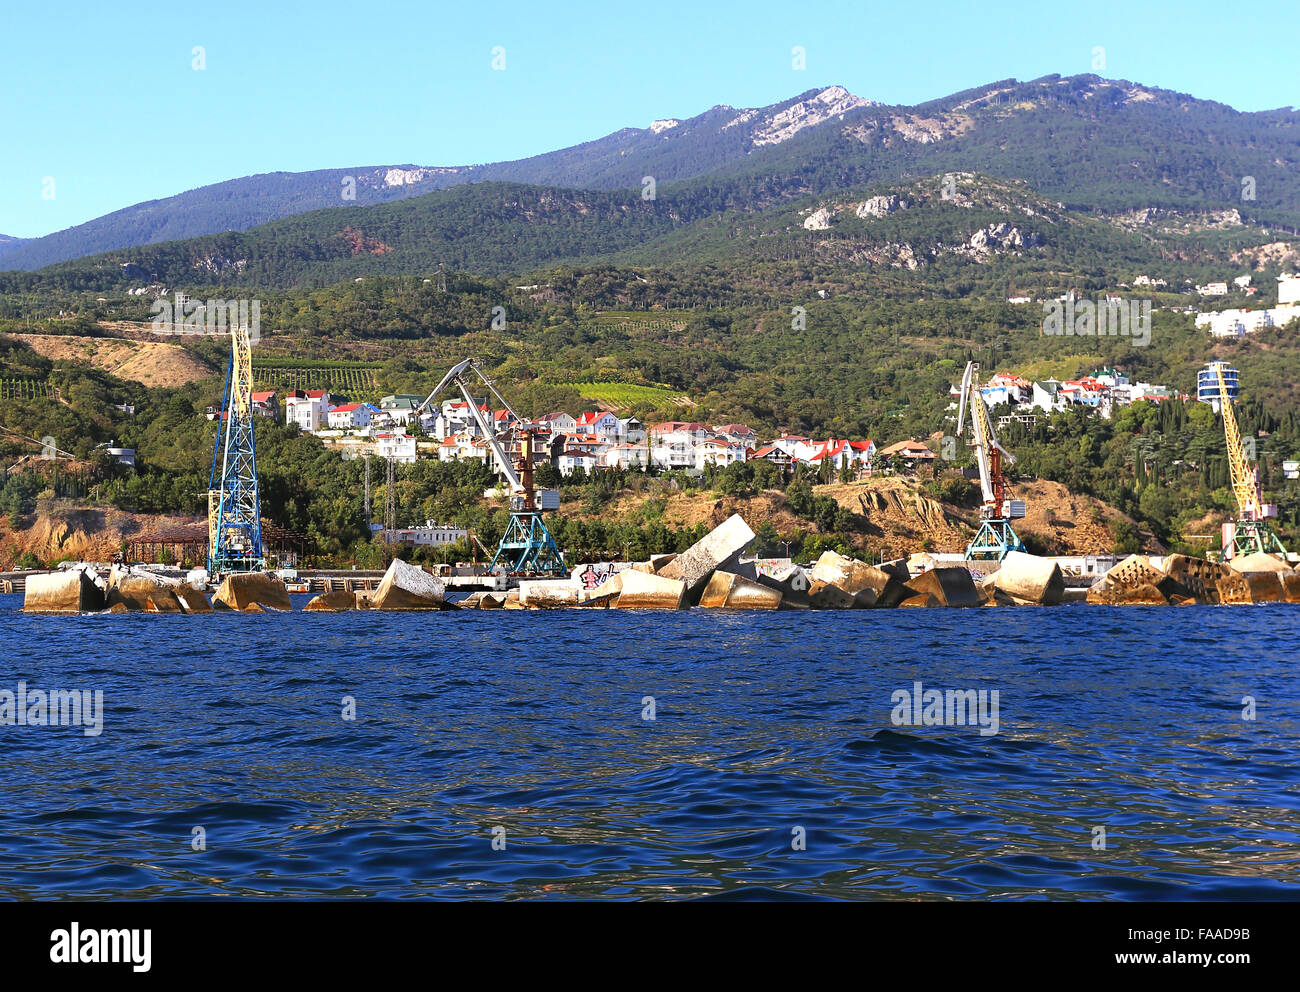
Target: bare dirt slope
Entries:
(153, 363)
(62, 529)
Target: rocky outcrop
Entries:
(1000, 236)
(880, 206)
(818, 220)
(408, 587)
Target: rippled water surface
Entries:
(770, 732)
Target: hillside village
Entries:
(597, 440)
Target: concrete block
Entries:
(728, 591)
(1195, 578)
(950, 586)
(192, 599)
(1133, 582)
(1291, 585)
(1258, 562)
(143, 591)
(792, 583)
(644, 591)
(720, 548)
(548, 594)
(1030, 579)
(332, 602)
(869, 586)
(1265, 587)
(239, 590)
(408, 587)
(921, 600)
(73, 591)
(825, 596)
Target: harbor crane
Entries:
(234, 506)
(527, 546)
(996, 537)
(1250, 532)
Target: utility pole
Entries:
(367, 458)
(390, 505)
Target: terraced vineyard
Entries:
(353, 379)
(24, 389)
(622, 395)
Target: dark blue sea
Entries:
(508, 755)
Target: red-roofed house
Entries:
(771, 453)
(350, 415)
(598, 422)
(304, 409)
(266, 405)
(558, 422)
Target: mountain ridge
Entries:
(1093, 142)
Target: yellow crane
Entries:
(1250, 532)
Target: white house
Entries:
(718, 453)
(795, 447)
(399, 447)
(400, 407)
(626, 456)
(1288, 289)
(632, 431)
(598, 422)
(430, 535)
(575, 458)
(673, 451)
(304, 410)
(350, 415)
(558, 423)
(462, 445)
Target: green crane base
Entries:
(993, 541)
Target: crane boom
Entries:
(527, 547)
(1245, 480)
(457, 375)
(995, 537)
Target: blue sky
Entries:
(103, 97)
